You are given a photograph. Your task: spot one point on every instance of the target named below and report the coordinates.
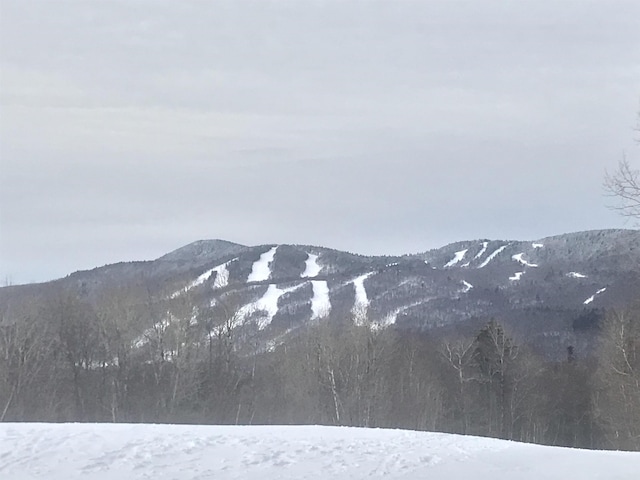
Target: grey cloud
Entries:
(130, 127)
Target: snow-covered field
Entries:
(183, 452)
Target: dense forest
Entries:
(66, 359)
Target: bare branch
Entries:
(624, 184)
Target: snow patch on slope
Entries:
(457, 258)
(391, 318)
(516, 276)
(593, 297)
(518, 258)
(320, 303)
(537, 245)
(150, 332)
(492, 256)
(158, 328)
(311, 269)
(467, 286)
(576, 275)
(260, 270)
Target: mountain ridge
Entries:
(276, 289)
(207, 250)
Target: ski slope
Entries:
(592, 297)
(221, 279)
(361, 297)
(267, 304)
(520, 259)
(482, 250)
(457, 258)
(320, 302)
(188, 452)
(492, 256)
(312, 268)
(261, 270)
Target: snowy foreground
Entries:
(127, 452)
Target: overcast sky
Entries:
(130, 128)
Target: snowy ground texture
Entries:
(129, 452)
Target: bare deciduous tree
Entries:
(459, 356)
(624, 185)
(25, 347)
(617, 395)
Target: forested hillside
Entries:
(222, 333)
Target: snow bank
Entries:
(188, 452)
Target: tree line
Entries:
(64, 358)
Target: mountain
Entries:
(549, 293)
(203, 250)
